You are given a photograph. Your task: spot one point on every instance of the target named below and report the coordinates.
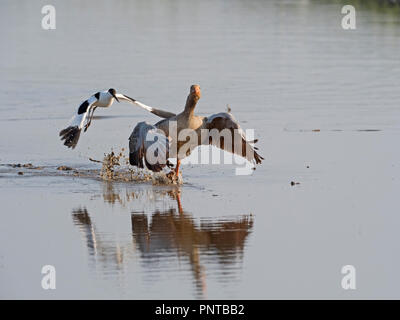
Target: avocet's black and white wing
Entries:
(81, 119)
(150, 144)
(103, 99)
(157, 112)
(239, 145)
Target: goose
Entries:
(152, 144)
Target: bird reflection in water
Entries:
(100, 248)
(206, 243)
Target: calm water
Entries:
(285, 68)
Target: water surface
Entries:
(323, 102)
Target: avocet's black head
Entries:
(113, 93)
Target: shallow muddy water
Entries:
(324, 104)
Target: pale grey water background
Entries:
(285, 68)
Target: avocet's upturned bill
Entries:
(103, 99)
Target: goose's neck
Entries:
(190, 105)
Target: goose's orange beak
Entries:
(195, 90)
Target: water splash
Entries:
(115, 168)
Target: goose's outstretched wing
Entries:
(71, 134)
(150, 144)
(224, 125)
(157, 112)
